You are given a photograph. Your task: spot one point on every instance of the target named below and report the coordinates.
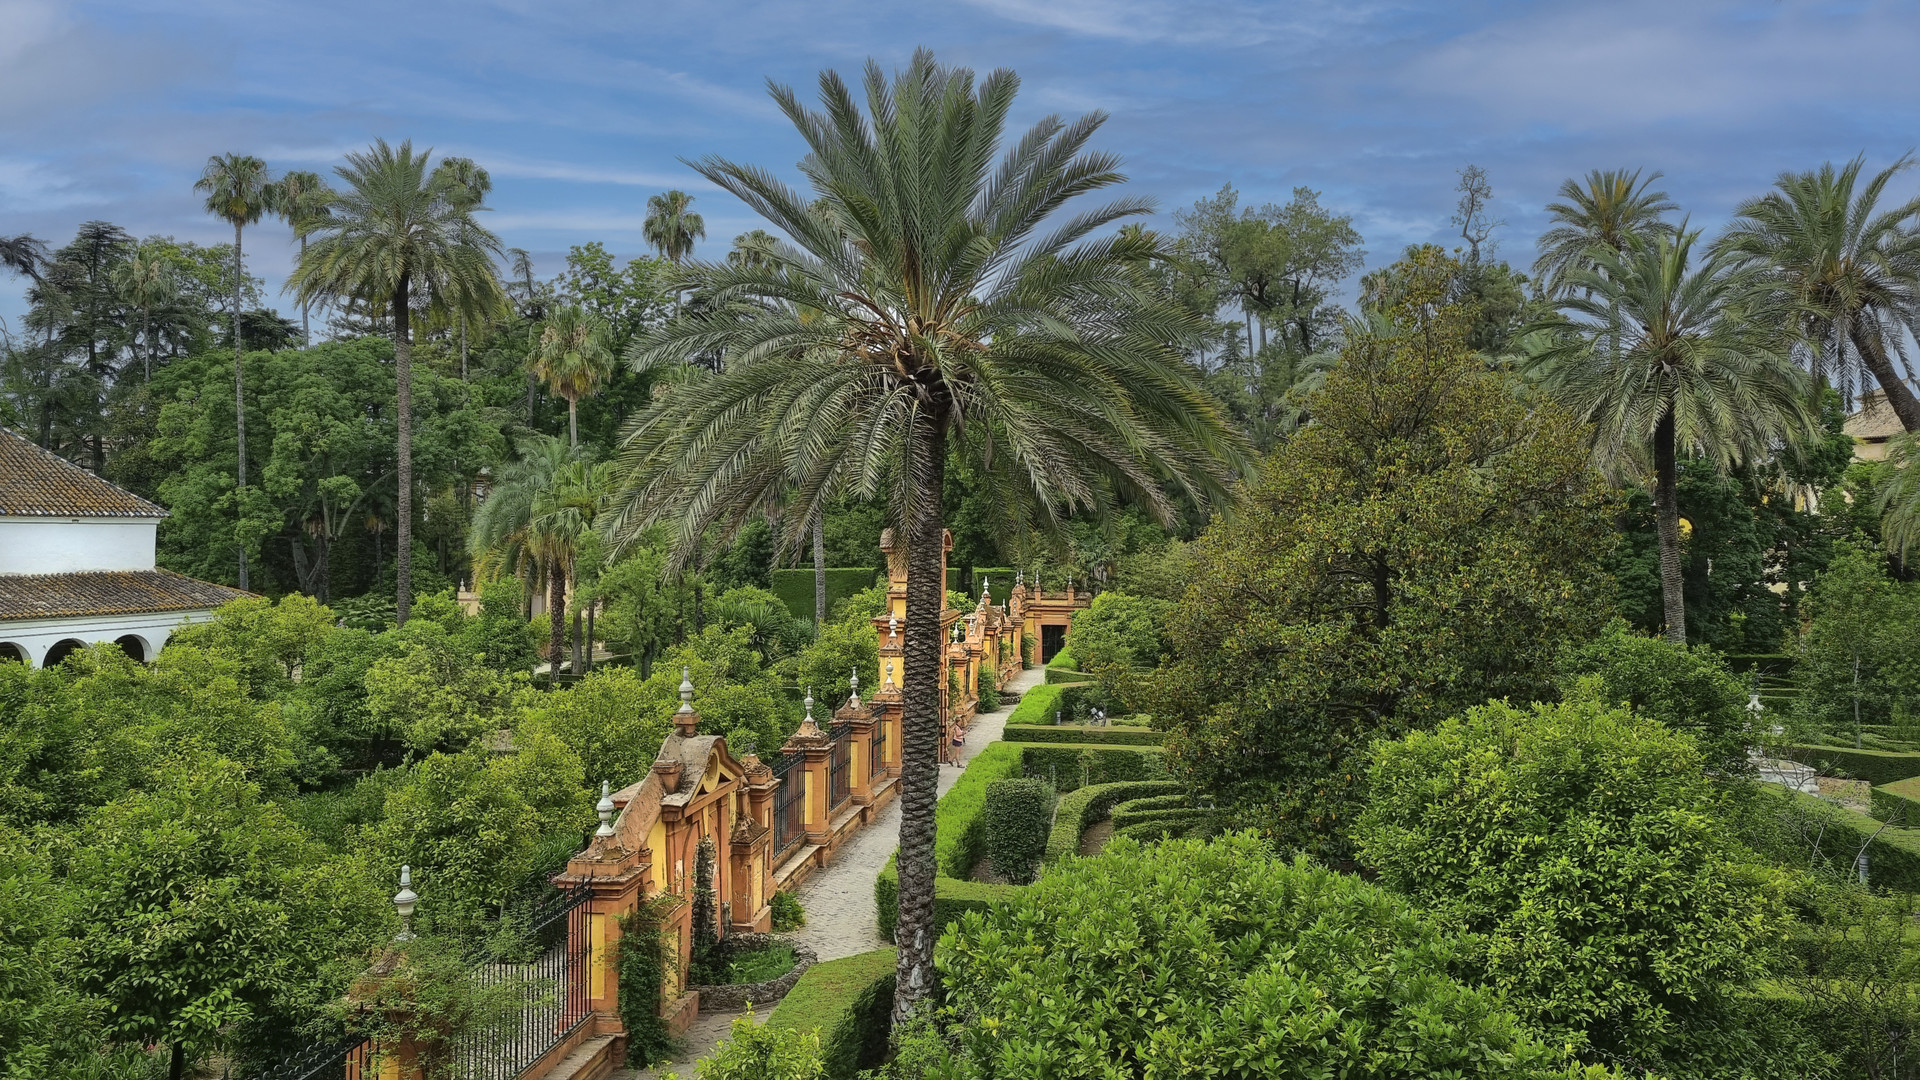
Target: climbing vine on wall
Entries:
(709, 962)
(641, 965)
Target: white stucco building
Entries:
(76, 563)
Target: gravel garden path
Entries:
(839, 898)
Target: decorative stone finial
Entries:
(605, 809)
(888, 685)
(986, 588)
(1019, 579)
(686, 691)
(809, 705)
(808, 733)
(854, 701)
(893, 630)
(403, 902)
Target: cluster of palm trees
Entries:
(1674, 348)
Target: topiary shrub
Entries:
(1217, 959)
(849, 1002)
(1088, 805)
(1018, 813)
(1069, 766)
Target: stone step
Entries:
(592, 1060)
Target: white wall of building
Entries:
(35, 637)
(70, 545)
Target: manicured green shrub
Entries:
(1163, 825)
(952, 898)
(1893, 852)
(960, 828)
(1070, 766)
(1580, 848)
(1876, 767)
(1079, 733)
(1088, 805)
(1898, 802)
(1143, 809)
(1018, 814)
(1066, 675)
(754, 1051)
(1687, 688)
(1036, 706)
(1063, 660)
(795, 587)
(850, 1003)
(1218, 959)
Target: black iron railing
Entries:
(789, 802)
(549, 969)
(333, 1059)
(877, 758)
(838, 787)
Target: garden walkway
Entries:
(839, 897)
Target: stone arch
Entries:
(10, 651)
(135, 647)
(62, 649)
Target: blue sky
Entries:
(582, 110)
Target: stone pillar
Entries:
(860, 724)
(887, 716)
(616, 876)
(817, 746)
(750, 857)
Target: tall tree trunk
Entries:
(306, 335)
(819, 570)
(590, 610)
(925, 678)
(403, 375)
(578, 664)
(463, 348)
(1666, 512)
(1899, 397)
(177, 1066)
(239, 391)
(573, 422)
(556, 617)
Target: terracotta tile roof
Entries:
(106, 592)
(1874, 420)
(35, 483)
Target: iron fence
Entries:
(838, 787)
(333, 1059)
(789, 802)
(549, 970)
(877, 755)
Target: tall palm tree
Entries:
(24, 256)
(1609, 209)
(533, 519)
(931, 303)
(401, 231)
(301, 199)
(1666, 358)
(146, 281)
(236, 187)
(671, 227)
(477, 184)
(573, 358)
(1847, 273)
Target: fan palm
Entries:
(399, 231)
(671, 228)
(573, 358)
(930, 302)
(1847, 273)
(1666, 358)
(1612, 207)
(302, 200)
(236, 187)
(146, 281)
(477, 184)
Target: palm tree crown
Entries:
(670, 227)
(930, 300)
(1609, 209)
(302, 200)
(1668, 358)
(573, 358)
(1847, 273)
(400, 231)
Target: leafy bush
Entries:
(959, 821)
(952, 898)
(1826, 833)
(1132, 810)
(1070, 766)
(1217, 956)
(1687, 688)
(755, 1052)
(1075, 733)
(1119, 630)
(849, 1002)
(759, 965)
(1036, 706)
(1088, 805)
(1018, 814)
(989, 696)
(1578, 846)
(1862, 643)
(613, 719)
(787, 912)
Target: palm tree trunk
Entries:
(403, 376)
(924, 679)
(556, 617)
(573, 422)
(1899, 397)
(146, 331)
(306, 335)
(463, 348)
(819, 570)
(239, 390)
(1666, 512)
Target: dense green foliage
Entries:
(1216, 957)
(1017, 817)
(847, 1002)
(1860, 658)
(640, 965)
(1578, 848)
(1079, 733)
(1089, 804)
(1686, 688)
(1429, 542)
(1119, 630)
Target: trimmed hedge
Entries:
(1001, 576)
(1157, 829)
(1066, 675)
(959, 818)
(1090, 804)
(850, 1002)
(1071, 766)
(1893, 858)
(1173, 801)
(1063, 659)
(1036, 707)
(1078, 733)
(1018, 815)
(1898, 802)
(795, 587)
(1124, 819)
(1876, 767)
(952, 898)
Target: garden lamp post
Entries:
(404, 902)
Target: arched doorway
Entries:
(61, 650)
(10, 651)
(134, 647)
